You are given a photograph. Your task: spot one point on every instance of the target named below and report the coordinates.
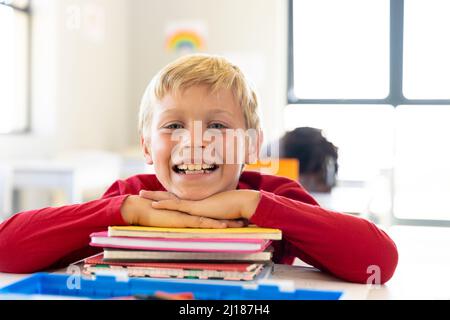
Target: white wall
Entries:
(93, 95)
(252, 32)
(79, 92)
(86, 86)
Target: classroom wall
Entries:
(79, 94)
(252, 33)
(93, 95)
(87, 80)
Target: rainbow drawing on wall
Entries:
(185, 40)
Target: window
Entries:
(422, 173)
(427, 49)
(350, 127)
(14, 56)
(377, 71)
(341, 49)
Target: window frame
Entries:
(26, 129)
(395, 97)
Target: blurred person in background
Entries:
(317, 156)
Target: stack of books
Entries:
(226, 254)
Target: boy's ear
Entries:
(254, 148)
(147, 153)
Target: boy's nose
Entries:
(190, 148)
(192, 140)
(194, 136)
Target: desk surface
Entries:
(422, 272)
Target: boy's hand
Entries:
(138, 211)
(235, 204)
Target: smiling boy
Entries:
(190, 117)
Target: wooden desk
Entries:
(422, 273)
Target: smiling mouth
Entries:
(189, 169)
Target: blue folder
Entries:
(107, 287)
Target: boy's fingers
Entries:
(175, 204)
(175, 219)
(202, 222)
(234, 223)
(156, 195)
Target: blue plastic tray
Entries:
(106, 287)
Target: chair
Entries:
(284, 167)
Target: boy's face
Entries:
(177, 139)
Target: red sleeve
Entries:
(54, 237)
(341, 244)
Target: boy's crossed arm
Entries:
(163, 209)
(230, 205)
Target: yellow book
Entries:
(250, 232)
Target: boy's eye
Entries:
(174, 126)
(216, 126)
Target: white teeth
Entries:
(194, 168)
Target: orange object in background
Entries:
(285, 167)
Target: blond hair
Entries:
(200, 69)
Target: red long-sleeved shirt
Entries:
(343, 245)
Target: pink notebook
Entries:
(238, 267)
(179, 270)
(101, 239)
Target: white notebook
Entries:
(141, 255)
